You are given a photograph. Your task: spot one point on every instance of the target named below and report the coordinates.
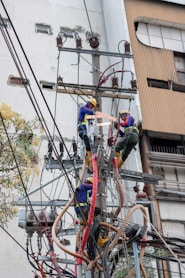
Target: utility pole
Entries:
(101, 197)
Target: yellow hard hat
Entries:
(90, 180)
(124, 111)
(93, 102)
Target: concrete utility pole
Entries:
(101, 197)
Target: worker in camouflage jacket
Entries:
(129, 136)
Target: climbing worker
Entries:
(82, 205)
(82, 200)
(129, 136)
(82, 130)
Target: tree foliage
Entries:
(18, 158)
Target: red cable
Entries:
(93, 202)
(115, 166)
(101, 77)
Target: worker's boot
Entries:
(88, 159)
(119, 159)
(82, 222)
(120, 163)
(103, 241)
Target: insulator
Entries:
(134, 84)
(41, 215)
(30, 215)
(74, 146)
(61, 147)
(60, 81)
(141, 195)
(111, 141)
(94, 42)
(127, 47)
(136, 189)
(132, 230)
(115, 82)
(50, 148)
(78, 43)
(51, 215)
(59, 41)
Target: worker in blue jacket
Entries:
(82, 205)
(129, 136)
(82, 199)
(88, 109)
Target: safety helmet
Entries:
(93, 101)
(124, 111)
(89, 180)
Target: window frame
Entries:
(179, 70)
(43, 28)
(67, 32)
(161, 40)
(51, 86)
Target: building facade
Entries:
(33, 29)
(157, 33)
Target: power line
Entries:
(13, 238)
(88, 18)
(41, 115)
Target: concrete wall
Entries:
(47, 63)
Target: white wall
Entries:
(106, 19)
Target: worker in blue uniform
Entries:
(82, 205)
(129, 136)
(83, 194)
(88, 109)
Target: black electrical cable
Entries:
(56, 92)
(34, 78)
(13, 238)
(14, 157)
(37, 112)
(56, 153)
(25, 250)
(88, 18)
(162, 258)
(67, 273)
(17, 166)
(28, 257)
(1, 1)
(18, 169)
(104, 259)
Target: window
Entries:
(166, 146)
(178, 87)
(47, 85)
(161, 36)
(180, 68)
(169, 85)
(68, 33)
(17, 81)
(158, 83)
(43, 28)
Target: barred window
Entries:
(43, 28)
